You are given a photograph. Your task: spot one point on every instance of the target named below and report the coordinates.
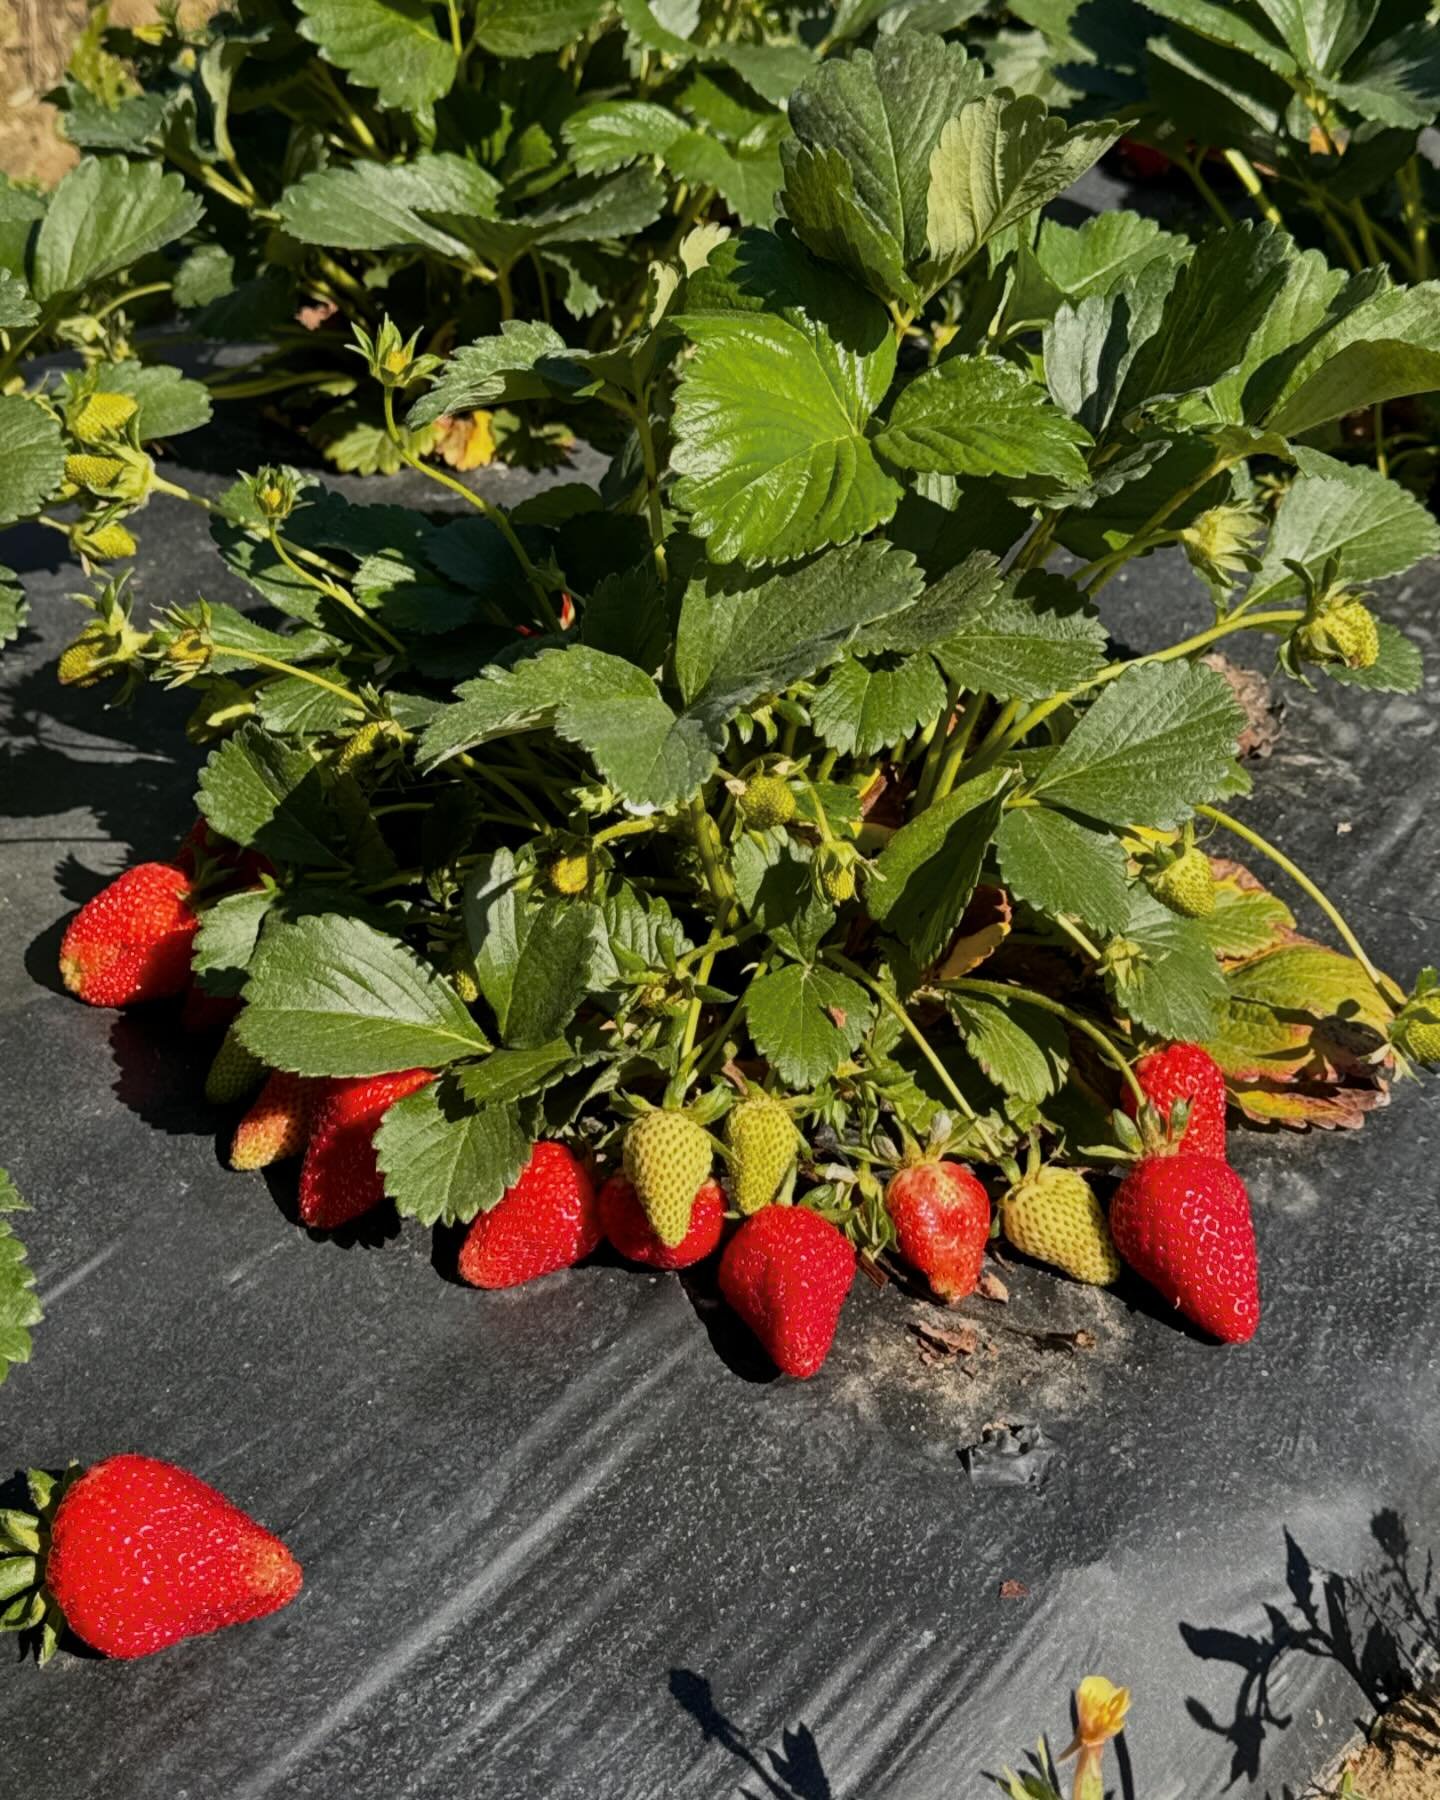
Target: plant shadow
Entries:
(793, 1772)
(1382, 1629)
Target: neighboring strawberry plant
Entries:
(79, 268)
(19, 1309)
(772, 812)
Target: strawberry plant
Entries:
(779, 811)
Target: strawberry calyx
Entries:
(26, 1603)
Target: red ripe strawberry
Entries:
(206, 1015)
(1183, 1223)
(622, 1219)
(1143, 161)
(1185, 1072)
(132, 941)
(786, 1272)
(340, 1178)
(941, 1216)
(143, 1554)
(547, 1221)
(278, 1122)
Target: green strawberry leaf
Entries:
(226, 941)
(865, 705)
(1159, 739)
(611, 134)
(1376, 343)
(1092, 343)
(14, 607)
(1173, 986)
(1398, 669)
(1397, 81)
(976, 415)
(105, 215)
(1000, 158)
(17, 309)
(924, 877)
(1026, 640)
(19, 1307)
(258, 790)
(527, 361)
(507, 1075)
(770, 437)
(806, 1021)
(858, 169)
(1220, 298)
(392, 46)
(535, 964)
(1061, 867)
(516, 28)
(1372, 525)
(32, 457)
(388, 206)
(443, 1161)
(1020, 1048)
(330, 995)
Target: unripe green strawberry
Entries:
(104, 543)
(767, 801)
(1420, 1040)
(667, 1157)
(93, 471)
(1187, 885)
(364, 747)
(835, 873)
(234, 1072)
(99, 416)
(762, 1137)
(570, 873)
(87, 660)
(460, 967)
(1344, 633)
(1054, 1216)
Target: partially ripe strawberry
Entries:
(1183, 1224)
(786, 1272)
(547, 1221)
(667, 1156)
(1185, 1072)
(277, 1124)
(132, 941)
(622, 1219)
(143, 1554)
(340, 1178)
(941, 1216)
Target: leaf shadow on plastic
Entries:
(793, 1772)
(1382, 1628)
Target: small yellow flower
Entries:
(1100, 1707)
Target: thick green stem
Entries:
(1001, 990)
(643, 431)
(1254, 187)
(1382, 982)
(1417, 223)
(902, 1017)
(283, 668)
(334, 591)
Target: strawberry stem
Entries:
(1388, 990)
